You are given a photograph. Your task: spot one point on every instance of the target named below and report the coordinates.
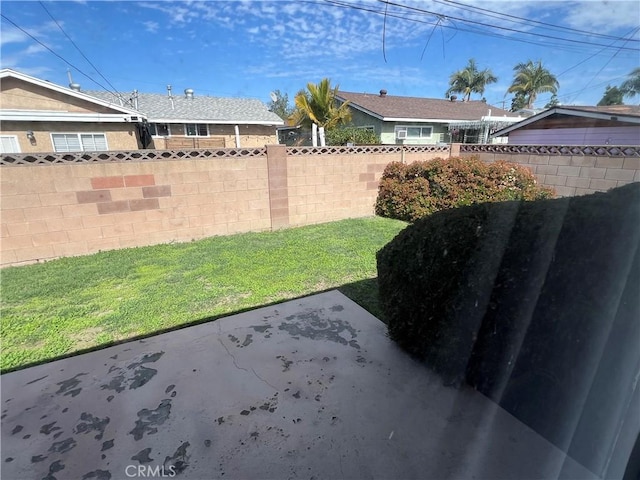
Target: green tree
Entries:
(553, 101)
(531, 79)
(470, 80)
(280, 106)
(631, 86)
(612, 96)
(518, 102)
(318, 105)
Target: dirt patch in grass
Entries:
(86, 338)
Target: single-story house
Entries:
(195, 121)
(560, 125)
(40, 116)
(423, 121)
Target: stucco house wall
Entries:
(119, 136)
(17, 94)
(219, 136)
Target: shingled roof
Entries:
(395, 108)
(159, 108)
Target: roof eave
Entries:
(215, 122)
(7, 72)
(53, 116)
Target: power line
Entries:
(603, 67)
(528, 20)
(631, 32)
(571, 48)
(581, 42)
(115, 90)
(50, 50)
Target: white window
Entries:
(159, 129)
(414, 132)
(369, 128)
(9, 144)
(79, 142)
(196, 130)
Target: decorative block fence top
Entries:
(577, 150)
(150, 155)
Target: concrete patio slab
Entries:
(311, 388)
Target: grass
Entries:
(63, 306)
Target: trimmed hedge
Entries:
(535, 304)
(357, 136)
(410, 192)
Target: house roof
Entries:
(395, 108)
(622, 114)
(160, 108)
(9, 73)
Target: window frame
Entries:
(156, 135)
(197, 125)
(16, 142)
(79, 137)
(406, 128)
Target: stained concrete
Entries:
(311, 388)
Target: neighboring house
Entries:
(195, 121)
(416, 120)
(560, 125)
(39, 116)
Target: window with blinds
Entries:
(9, 144)
(79, 142)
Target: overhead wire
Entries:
(475, 22)
(527, 21)
(115, 90)
(471, 29)
(53, 52)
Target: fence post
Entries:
(454, 150)
(278, 186)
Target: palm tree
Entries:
(318, 105)
(470, 80)
(530, 79)
(631, 86)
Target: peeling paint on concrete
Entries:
(88, 423)
(313, 325)
(143, 456)
(67, 387)
(63, 446)
(148, 420)
(179, 461)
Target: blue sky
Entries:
(250, 48)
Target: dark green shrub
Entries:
(357, 136)
(410, 192)
(535, 304)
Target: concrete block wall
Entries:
(572, 175)
(50, 211)
(56, 205)
(81, 206)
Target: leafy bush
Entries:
(357, 136)
(515, 297)
(410, 192)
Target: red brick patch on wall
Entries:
(113, 207)
(94, 196)
(139, 180)
(99, 183)
(157, 191)
(144, 204)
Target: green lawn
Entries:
(71, 304)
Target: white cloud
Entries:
(603, 16)
(151, 26)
